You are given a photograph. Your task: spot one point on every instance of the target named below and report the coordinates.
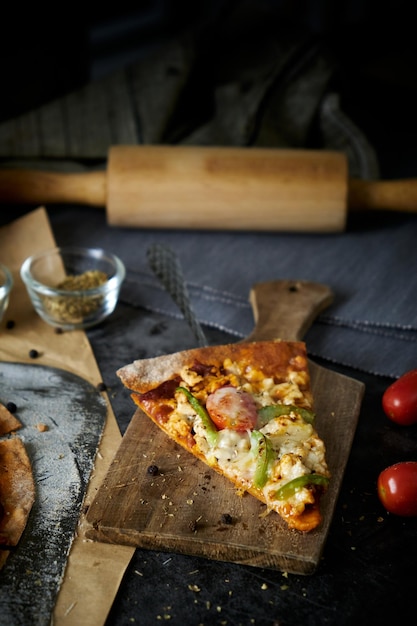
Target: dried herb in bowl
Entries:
(79, 305)
(73, 288)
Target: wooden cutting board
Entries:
(183, 508)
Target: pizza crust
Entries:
(3, 557)
(8, 422)
(17, 490)
(143, 375)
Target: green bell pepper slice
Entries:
(262, 450)
(289, 489)
(210, 428)
(267, 413)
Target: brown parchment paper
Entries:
(94, 570)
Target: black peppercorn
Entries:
(11, 407)
(101, 386)
(33, 354)
(153, 470)
(10, 324)
(226, 519)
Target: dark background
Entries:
(48, 51)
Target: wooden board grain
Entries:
(183, 508)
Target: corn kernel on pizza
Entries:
(246, 410)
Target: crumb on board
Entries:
(42, 427)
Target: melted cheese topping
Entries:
(297, 449)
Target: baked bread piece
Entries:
(17, 488)
(8, 422)
(246, 410)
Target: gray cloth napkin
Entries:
(371, 325)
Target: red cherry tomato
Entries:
(400, 399)
(397, 488)
(230, 408)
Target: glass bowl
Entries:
(6, 284)
(72, 287)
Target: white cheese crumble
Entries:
(297, 448)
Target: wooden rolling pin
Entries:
(215, 188)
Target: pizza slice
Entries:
(8, 422)
(246, 410)
(17, 489)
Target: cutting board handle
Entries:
(285, 309)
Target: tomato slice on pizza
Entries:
(17, 489)
(246, 410)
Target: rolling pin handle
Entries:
(39, 187)
(389, 195)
